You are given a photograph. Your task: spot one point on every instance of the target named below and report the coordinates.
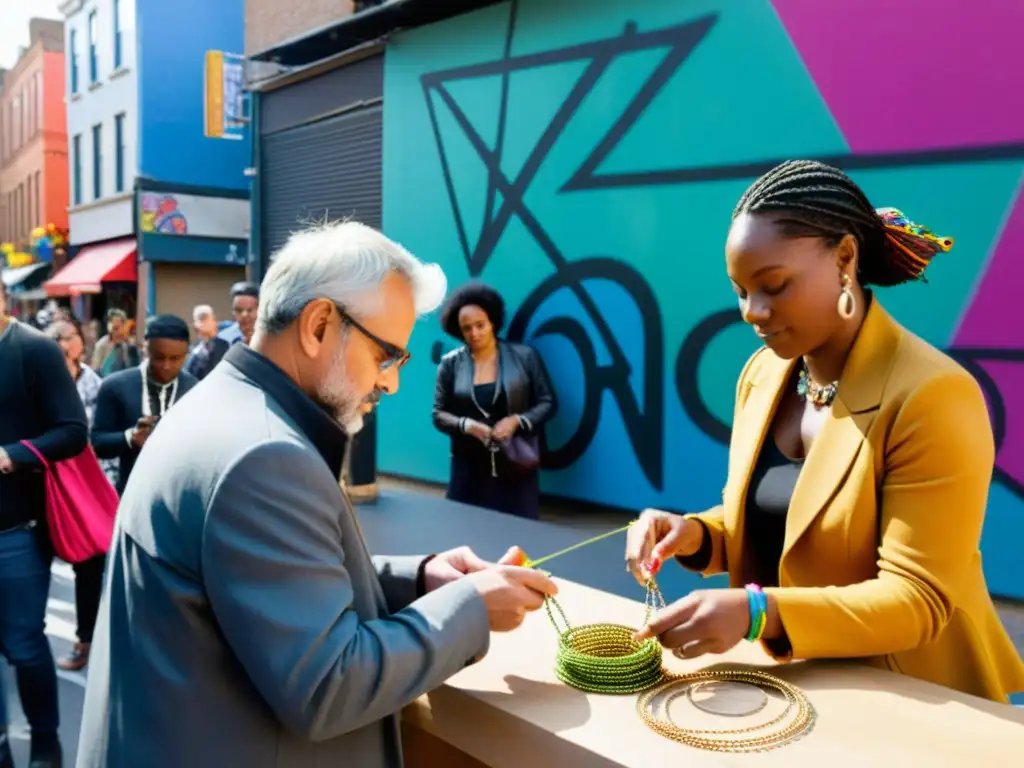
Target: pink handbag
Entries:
(80, 505)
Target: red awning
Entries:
(108, 263)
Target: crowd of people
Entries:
(242, 619)
(64, 387)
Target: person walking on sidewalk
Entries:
(88, 573)
(244, 621)
(38, 403)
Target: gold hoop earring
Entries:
(847, 304)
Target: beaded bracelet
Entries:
(758, 612)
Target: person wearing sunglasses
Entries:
(492, 398)
(246, 621)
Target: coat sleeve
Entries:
(274, 567)
(107, 436)
(66, 427)
(444, 391)
(939, 459)
(542, 394)
(398, 575)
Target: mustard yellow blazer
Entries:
(881, 557)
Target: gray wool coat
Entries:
(243, 620)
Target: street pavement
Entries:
(60, 626)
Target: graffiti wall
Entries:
(584, 157)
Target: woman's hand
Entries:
(657, 536)
(479, 430)
(505, 428)
(706, 621)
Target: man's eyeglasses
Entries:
(396, 356)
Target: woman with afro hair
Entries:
(493, 398)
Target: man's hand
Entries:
(143, 429)
(6, 465)
(456, 563)
(509, 592)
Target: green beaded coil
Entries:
(604, 658)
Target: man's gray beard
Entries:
(337, 395)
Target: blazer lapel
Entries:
(843, 434)
(752, 426)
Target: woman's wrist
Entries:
(692, 540)
(773, 628)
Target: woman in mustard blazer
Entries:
(859, 465)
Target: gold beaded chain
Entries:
(796, 719)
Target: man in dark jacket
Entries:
(209, 349)
(131, 402)
(40, 404)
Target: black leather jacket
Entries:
(523, 379)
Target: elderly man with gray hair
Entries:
(244, 621)
(209, 348)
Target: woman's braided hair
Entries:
(811, 199)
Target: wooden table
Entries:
(510, 711)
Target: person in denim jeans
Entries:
(38, 403)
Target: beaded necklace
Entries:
(604, 659)
(821, 395)
(147, 406)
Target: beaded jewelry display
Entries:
(604, 659)
(795, 720)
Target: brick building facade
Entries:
(270, 22)
(33, 137)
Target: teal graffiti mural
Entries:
(584, 157)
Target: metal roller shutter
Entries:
(181, 287)
(328, 168)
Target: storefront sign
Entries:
(173, 213)
(224, 115)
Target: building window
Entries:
(30, 215)
(93, 61)
(40, 113)
(39, 197)
(21, 211)
(73, 45)
(76, 170)
(30, 104)
(97, 162)
(118, 29)
(119, 152)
